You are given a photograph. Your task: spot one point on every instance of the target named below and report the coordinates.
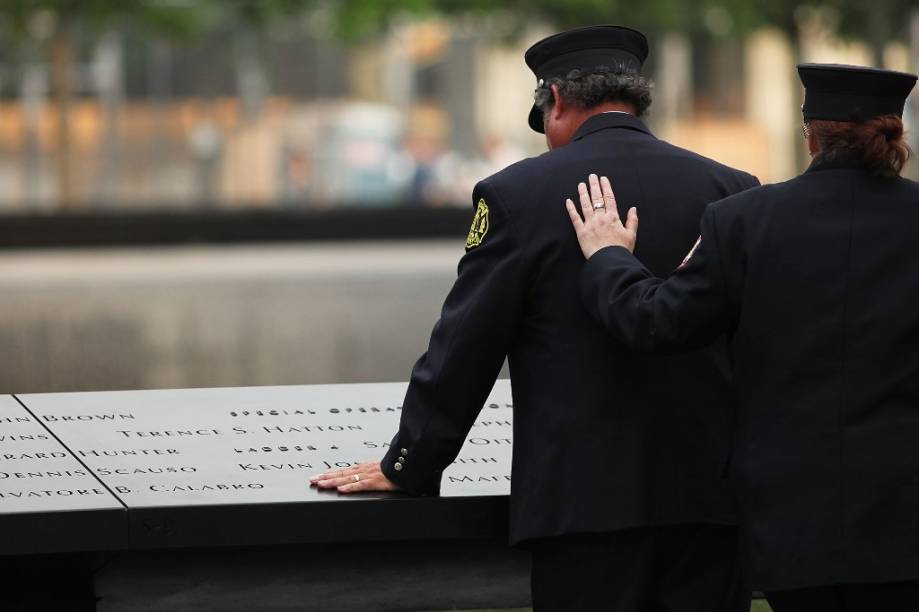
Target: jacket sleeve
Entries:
(452, 380)
(688, 310)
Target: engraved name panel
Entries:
(37, 474)
(256, 444)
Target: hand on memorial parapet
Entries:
(601, 226)
(358, 478)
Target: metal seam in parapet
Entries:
(68, 449)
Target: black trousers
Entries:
(682, 568)
(873, 597)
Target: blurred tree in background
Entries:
(876, 22)
(50, 26)
(48, 29)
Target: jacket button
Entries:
(398, 467)
(404, 452)
(401, 460)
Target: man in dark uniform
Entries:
(617, 483)
(817, 281)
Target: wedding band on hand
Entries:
(599, 204)
(357, 477)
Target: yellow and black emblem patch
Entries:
(479, 226)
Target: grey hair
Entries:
(591, 89)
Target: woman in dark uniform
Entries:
(816, 283)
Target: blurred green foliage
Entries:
(857, 18)
(172, 17)
(354, 18)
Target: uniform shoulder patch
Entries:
(479, 225)
(692, 252)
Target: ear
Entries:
(559, 106)
(813, 146)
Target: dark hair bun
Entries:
(879, 141)
(892, 130)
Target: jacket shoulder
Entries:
(754, 201)
(527, 168)
(907, 185)
(506, 183)
(710, 165)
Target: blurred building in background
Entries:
(282, 112)
(215, 106)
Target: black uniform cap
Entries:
(834, 92)
(586, 49)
